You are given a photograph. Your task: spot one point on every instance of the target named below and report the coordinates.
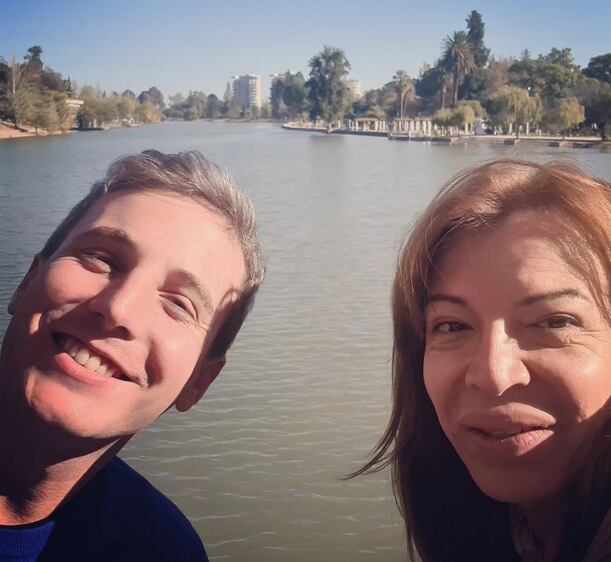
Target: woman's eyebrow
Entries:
(553, 295)
(445, 298)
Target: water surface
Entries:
(257, 465)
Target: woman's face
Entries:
(518, 358)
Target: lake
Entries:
(257, 466)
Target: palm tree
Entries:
(457, 58)
(404, 87)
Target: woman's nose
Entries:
(497, 364)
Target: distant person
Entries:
(127, 311)
(500, 434)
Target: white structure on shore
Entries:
(247, 91)
(355, 87)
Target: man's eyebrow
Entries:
(187, 280)
(553, 295)
(115, 234)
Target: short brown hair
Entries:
(187, 174)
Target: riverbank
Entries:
(549, 140)
(9, 131)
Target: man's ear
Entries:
(199, 382)
(25, 282)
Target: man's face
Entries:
(106, 334)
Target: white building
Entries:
(247, 91)
(355, 87)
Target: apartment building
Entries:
(247, 91)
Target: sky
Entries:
(183, 45)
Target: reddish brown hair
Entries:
(446, 516)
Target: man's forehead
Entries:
(187, 233)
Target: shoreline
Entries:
(550, 140)
(9, 131)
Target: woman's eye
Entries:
(558, 322)
(448, 327)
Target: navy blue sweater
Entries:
(118, 516)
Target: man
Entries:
(128, 310)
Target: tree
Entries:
(24, 106)
(475, 36)
(429, 82)
(215, 107)
(176, 99)
(154, 96)
(564, 114)
(444, 118)
(457, 59)
(278, 107)
(513, 106)
(599, 111)
(329, 97)
(599, 68)
(562, 57)
(549, 80)
(405, 89)
(497, 75)
(595, 96)
(295, 94)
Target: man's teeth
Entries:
(87, 359)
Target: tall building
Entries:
(247, 91)
(356, 90)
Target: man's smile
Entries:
(88, 358)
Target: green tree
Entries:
(445, 118)
(278, 106)
(432, 86)
(599, 111)
(45, 114)
(24, 102)
(549, 80)
(475, 36)
(513, 106)
(563, 115)
(595, 96)
(599, 68)
(215, 107)
(328, 95)
(154, 96)
(457, 59)
(176, 99)
(405, 90)
(295, 94)
(562, 57)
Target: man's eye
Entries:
(95, 259)
(558, 322)
(447, 327)
(180, 304)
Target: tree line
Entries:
(34, 95)
(466, 83)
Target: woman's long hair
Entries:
(446, 516)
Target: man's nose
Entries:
(122, 306)
(497, 364)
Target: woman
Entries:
(500, 438)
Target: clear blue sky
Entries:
(178, 45)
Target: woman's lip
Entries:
(503, 445)
(510, 419)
